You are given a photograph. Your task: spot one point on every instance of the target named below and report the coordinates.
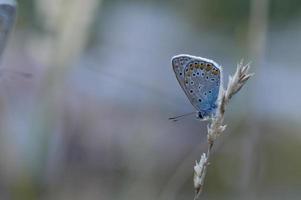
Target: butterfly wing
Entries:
(179, 63)
(201, 84)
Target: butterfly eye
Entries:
(209, 91)
(191, 91)
(193, 74)
(191, 82)
(200, 100)
(198, 73)
(212, 79)
(207, 77)
(180, 73)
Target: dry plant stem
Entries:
(217, 127)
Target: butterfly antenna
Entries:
(180, 116)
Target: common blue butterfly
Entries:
(200, 79)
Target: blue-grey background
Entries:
(87, 89)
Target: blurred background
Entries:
(87, 89)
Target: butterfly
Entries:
(200, 79)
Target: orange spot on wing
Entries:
(208, 67)
(215, 71)
(201, 65)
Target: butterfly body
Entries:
(200, 79)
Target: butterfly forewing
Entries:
(178, 64)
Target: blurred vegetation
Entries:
(91, 120)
